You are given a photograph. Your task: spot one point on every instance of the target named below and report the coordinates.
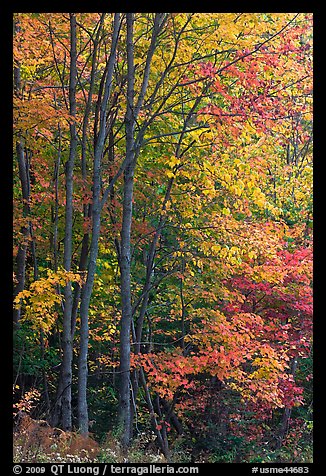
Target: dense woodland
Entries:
(162, 237)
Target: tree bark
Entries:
(64, 386)
(132, 149)
(25, 187)
(96, 225)
(287, 411)
(126, 308)
(87, 208)
(22, 249)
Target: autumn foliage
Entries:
(163, 232)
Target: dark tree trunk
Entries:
(64, 386)
(287, 411)
(24, 180)
(96, 225)
(56, 203)
(125, 257)
(126, 410)
(87, 208)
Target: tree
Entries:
(163, 217)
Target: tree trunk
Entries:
(124, 404)
(126, 410)
(96, 225)
(64, 385)
(87, 208)
(23, 176)
(287, 411)
(125, 415)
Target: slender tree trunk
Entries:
(23, 176)
(150, 405)
(87, 208)
(126, 410)
(20, 276)
(162, 443)
(164, 436)
(22, 248)
(125, 258)
(64, 386)
(287, 411)
(125, 415)
(183, 311)
(96, 225)
(81, 267)
(56, 203)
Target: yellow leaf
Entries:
(174, 161)
(226, 211)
